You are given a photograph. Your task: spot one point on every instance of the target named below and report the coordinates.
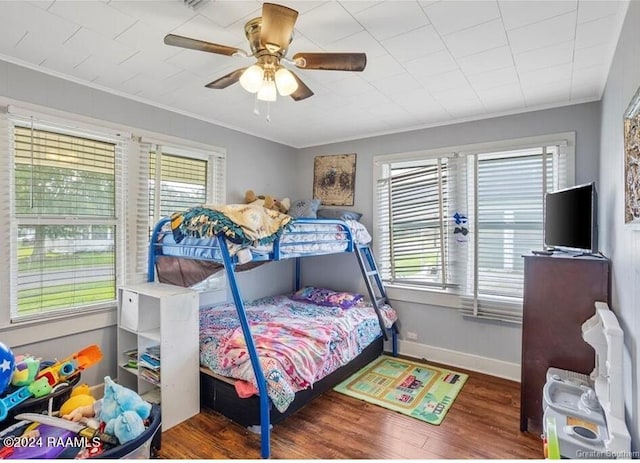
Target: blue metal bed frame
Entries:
(365, 260)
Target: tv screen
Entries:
(570, 218)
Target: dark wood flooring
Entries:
(483, 423)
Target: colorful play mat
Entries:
(415, 389)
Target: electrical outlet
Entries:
(412, 336)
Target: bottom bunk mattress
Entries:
(298, 343)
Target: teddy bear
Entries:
(280, 205)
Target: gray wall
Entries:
(252, 163)
(618, 241)
(437, 326)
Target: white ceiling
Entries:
(429, 62)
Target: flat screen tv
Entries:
(571, 218)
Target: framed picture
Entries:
(334, 179)
(632, 162)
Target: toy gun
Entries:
(39, 388)
(71, 365)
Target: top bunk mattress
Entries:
(301, 238)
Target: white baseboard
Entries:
(464, 360)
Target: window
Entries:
(182, 183)
(175, 178)
(78, 206)
(458, 221)
(64, 219)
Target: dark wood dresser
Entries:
(559, 295)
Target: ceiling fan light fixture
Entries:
(252, 78)
(285, 81)
(267, 91)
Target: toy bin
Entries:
(143, 447)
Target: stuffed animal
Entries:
(25, 371)
(80, 396)
(123, 411)
(280, 205)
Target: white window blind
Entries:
(64, 207)
(416, 237)
(507, 196)
(460, 222)
(175, 179)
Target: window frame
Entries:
(448, 297)
(65, 129)
(45, 326)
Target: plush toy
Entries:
(80, 396)
(280, 205)
(25, 371)
(123, 411)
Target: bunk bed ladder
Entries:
(377, 293)
(265, 404)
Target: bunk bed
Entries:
(189, 246)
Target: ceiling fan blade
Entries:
(193, 44)
(225, 81)
(277, 26)
(331, 61)
(302, 91)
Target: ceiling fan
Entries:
(269, 37)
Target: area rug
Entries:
(416, 389)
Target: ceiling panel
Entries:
(595, 32)
(327, 23)
(165, 15)
(380, 20)
(546, 57)
(226, 13)
(96, 16)
(414, 44)
(543, 34)
(476, 39)
(489, 60)
(448, 17)
(433, 64)
(521, 13)
(595, 9)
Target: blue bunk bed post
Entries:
(153, 250)
(265, 426)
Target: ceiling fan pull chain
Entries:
(256, 110)
(268, 112)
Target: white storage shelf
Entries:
(155, 314)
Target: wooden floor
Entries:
(483, 423)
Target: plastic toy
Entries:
(7, 363)
(71, 365)
(25, 371)
(80, 397)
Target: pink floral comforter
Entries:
(298, 343)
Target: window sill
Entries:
(34, 331)
(423, 296)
